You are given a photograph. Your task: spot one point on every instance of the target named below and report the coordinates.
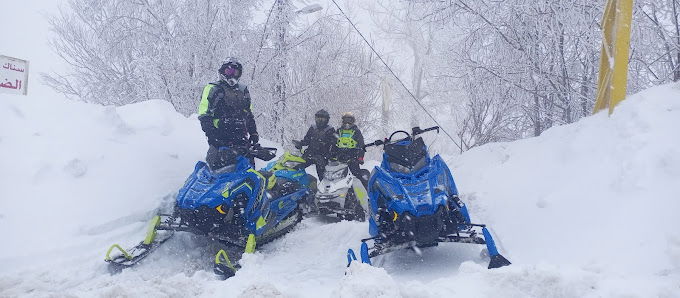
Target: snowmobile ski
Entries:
(130, 257)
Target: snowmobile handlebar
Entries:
(262, 153)
(414, 132)
(255, 150)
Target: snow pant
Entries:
(361, 174)
(320, 164)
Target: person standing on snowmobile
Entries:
(226, 116)
(349, 147)
(320, 138)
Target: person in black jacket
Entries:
(226, 116)
(320, 138)
(350, 146)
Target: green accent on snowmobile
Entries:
(346, 139)
(108, 252)
(242, 185)
(203, 106)
(262, 179)
(216, 123)
(256, 173)
(260, 223)
(224, 260)
(361, 195)
(151, 230)
(225, 192)
(250, 244)
(283, 164)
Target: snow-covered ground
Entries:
(585, 210)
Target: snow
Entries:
(585, 210)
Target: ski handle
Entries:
(414, 132)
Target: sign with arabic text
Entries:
(13, 75)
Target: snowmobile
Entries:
(414, 203)
(232, 203)
(341, 194)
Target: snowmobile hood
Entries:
(338, 179)
(420, 193)
(204, 188)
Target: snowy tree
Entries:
(126, 51)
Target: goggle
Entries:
(229, 71)
(321, 117)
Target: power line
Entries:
(395, 75)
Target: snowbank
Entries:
(588, 209)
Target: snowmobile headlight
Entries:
(336, 175)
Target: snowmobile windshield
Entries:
(406, 169)
(292, 164)
(406, 156)
(223, 161)
(225, 169)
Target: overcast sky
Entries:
(24, 36)
(25, 33)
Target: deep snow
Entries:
(585, 210)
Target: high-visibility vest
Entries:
(346, 138)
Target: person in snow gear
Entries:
(349, 147)
(225, 114)
(320, 138)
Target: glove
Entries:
(254, 138)
(361, 160)
(207, 125)
(297, 144)
(209, 129)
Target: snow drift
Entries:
(588, 209)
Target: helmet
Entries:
(321, 118)
(348, 118)
(231, 70)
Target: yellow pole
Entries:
(613, 76)
(604, 77)
(624, 15)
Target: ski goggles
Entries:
(230, 71)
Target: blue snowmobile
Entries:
(231, 203)
(414, 203)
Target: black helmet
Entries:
(348, 118)
(321, 118)
(231, 70)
